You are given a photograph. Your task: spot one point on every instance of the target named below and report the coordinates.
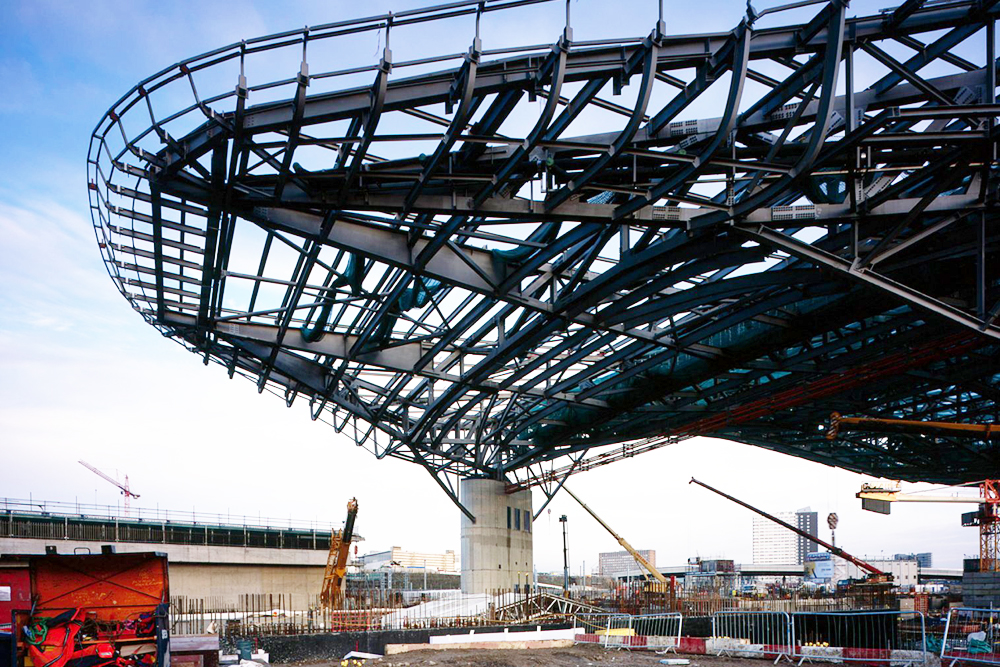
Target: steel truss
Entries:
(437, 260)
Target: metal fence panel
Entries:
(595, 627)
(620, 631)
(871, 637)
(752, 634)
(659, 631)
(653, 631)
(971, 636)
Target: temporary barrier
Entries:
(598, 628)
(752, 634)
(653, 631)
(880, 638)
(871, 637)
(971, 636)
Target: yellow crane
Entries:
(839, 423)
(621, 540)
(332, 595)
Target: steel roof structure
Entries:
(445, 260)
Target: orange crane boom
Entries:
(839, 423)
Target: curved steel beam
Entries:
(741, 51)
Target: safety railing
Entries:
(650, 631)
(890, 638)
(659, 631)
(753, 634)
(971, 636)
(871, 637)
(598, 628)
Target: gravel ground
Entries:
(578, 656)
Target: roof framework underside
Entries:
(446, 261)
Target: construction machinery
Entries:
(332, 595)
(621, 540)
(878, 498)
(874, 574)
(839, 423)
(122, 487)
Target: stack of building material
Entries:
(981, 590)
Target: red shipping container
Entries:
(15, 593)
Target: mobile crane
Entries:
(621, 540)
(875, 575)
(332, 595)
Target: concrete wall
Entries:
(223, 573)
(226, 583)
(176, 553)
(495, 556)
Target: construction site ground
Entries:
(577, 656)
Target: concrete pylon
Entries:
(497, 548)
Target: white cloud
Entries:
(51, 273)
(21, 86)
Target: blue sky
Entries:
(81, 376)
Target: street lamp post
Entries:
(562, 520)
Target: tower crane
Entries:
(877, 498)
(123, 487)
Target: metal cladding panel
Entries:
(116, 586)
